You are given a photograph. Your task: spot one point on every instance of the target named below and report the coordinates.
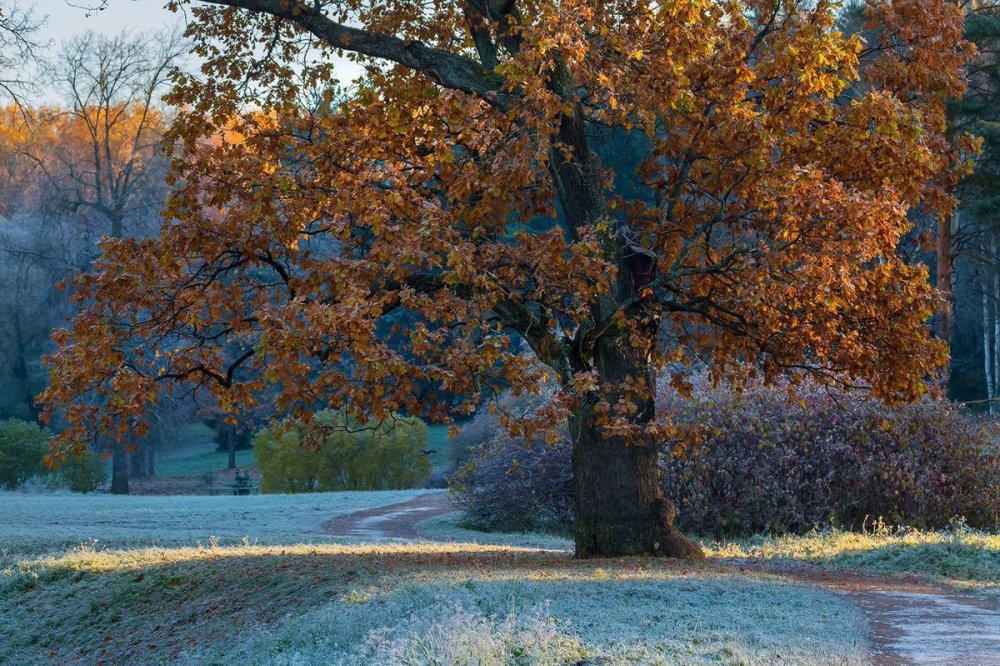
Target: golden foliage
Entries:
(354, 254)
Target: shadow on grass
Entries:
(152, 605)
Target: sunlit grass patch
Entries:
(92, 558)
(958, 555)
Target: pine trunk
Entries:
(988, 345)
(942, 323)
(995, 319)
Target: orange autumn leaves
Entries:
(401, 250)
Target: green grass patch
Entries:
(193, 462)
(441, 446)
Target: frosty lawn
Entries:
(395, 604)
(35, 524)
(288, 596)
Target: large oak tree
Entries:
(466, 190)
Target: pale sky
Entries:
(65, 20)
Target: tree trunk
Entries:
(942, 323)
(995, 319)
(142, 462)
(988, 346)
(620, 507)
(231, 446)
(21, 374)
(137, 464)
(119, 471)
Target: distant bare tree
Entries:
(112, 86)
(18, 30)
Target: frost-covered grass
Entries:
(34, 524)
(961, 556)
(449, 528)
(252, 580)
(409, 604)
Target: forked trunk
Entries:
(620, 507)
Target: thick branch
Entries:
(445, 68)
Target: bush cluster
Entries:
(334, 453)
(772, 460)
(508, 486)
(23, 446)
(82, 473)
(778, 461)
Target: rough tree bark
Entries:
(620, 507)
(119, 471)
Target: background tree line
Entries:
(74, 172)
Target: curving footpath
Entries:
(395, 522)
(911, 622)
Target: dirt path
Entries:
(396, 522)
(912, 622)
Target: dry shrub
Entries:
(775, 460)
(769, 460)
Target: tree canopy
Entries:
(467, 183)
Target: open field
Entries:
(394, 604)
(292, 599)
(32, 525)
